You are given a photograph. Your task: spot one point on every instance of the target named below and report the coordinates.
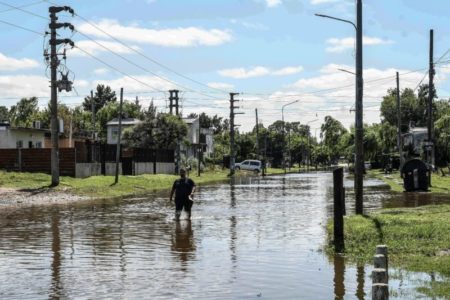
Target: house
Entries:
(112, 128)
(197, 137)
(21, 137)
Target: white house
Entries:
(197, 137)
(113, 128)
(21, 137)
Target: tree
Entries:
(442, 127)
(162, 132)
(4, 113)
(111, 111)
(331, 132)
(103, 95)
(22, 114)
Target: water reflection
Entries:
(183, 244)
(254, 238)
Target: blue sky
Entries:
(271, 51)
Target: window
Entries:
(19, 144)
(38, 145)
(30, 144)
(254, 163)
(114, 133)
(246, 163)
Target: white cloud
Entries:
(101, 71)
(273, 3)
(288, 71)
(24, 86)
(241, 73)
(258, 71)
(12, 64)
(221, 85)
(339, 45)
(316, 2)
(93, 47)
(172, 37)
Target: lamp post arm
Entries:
(337, 19)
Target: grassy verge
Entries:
(439, 183)
(102, 186)
(418, 240)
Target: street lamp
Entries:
(282, 119)
(359, 161)
(309, 146)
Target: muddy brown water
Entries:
(252, 239)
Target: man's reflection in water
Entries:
(183, 242)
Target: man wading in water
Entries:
(184, 189)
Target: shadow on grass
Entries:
(377, 224)
(39, 190)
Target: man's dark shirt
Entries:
(183, 188)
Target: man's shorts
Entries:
(185, 203)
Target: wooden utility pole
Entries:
(54, 63)
(119, 133)
(430, 139)
(399, 124)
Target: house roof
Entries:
(189, 120)
(29, 129)
(126, 121)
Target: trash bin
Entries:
(415, 175)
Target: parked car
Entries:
(249, 165)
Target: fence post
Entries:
(338, 176)
(383, 250)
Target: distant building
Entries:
(112, 128)
(197, 138)
(21, 137)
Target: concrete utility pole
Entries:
(399, 124)
(430, 124)
(173, 100)
(257, 134)
(119, 133)
(93, 114)
(232, 125)
(54, 63)
(359, 129)
(284, 134)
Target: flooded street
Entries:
(252, 239)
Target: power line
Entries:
(23, 10)
(143, 55)
(23, 6)
(21, 27)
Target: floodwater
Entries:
(252, 239)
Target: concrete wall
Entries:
(9, 137)
(110, 168)
(140, 168)
(165, 168)
(83, 170)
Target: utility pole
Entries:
(430, 142)
(359, 130)
(257, 134)
(232, 125)
(93, 114)
(173, 100)
(62, 84)
(399, 124)
(119, 133)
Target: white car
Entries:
(249, 165)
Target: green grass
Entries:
(418, 239)
(440, 184)
(102, 186)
